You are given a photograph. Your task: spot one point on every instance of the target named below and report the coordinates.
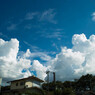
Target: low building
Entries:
(31, 83)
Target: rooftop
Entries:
(30, 77)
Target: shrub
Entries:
(32, 93)
(68, 91)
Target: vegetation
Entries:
(84, 82)
(3, 88)
(63, 88)
(68, 91)
(33, 93)
(70, 87)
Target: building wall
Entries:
(36, 84)
(0, 83)
(19, 86)
(28, 84)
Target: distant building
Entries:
(0, 83)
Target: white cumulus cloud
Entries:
(11, 66)
(40, 69)
(74, 62)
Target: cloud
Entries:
(54, 35)
(39, 68)
(12, 27)
(33, 48)
(73, 62)
(54, 45)
(48, 15)
(65, 64)
(93, 16)
(58, 29)
(30, 16)
(57, 35)
(45, 16)
(77, 61)
(12, 64)
(3, 35)
(42, 55)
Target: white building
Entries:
(0, 83)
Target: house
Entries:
(20, 86)
(29, 82)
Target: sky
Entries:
(41, 35)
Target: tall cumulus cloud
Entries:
(11, 65)
(77, 61)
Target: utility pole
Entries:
(47, 72)
(54, 80)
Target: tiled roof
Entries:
(31, 77)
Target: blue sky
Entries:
(46, 25)
(64, 18)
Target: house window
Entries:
(22, 83)
(16, 84)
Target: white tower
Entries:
(0, 83)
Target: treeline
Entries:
(84, 83)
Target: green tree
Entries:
(84, 81)
(68, 91)
(32, 93)
(65, 91)
(51, 85)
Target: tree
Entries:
(29, 93)
(68, 91)
(84, 81)
(65, 91)
(51, 85)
